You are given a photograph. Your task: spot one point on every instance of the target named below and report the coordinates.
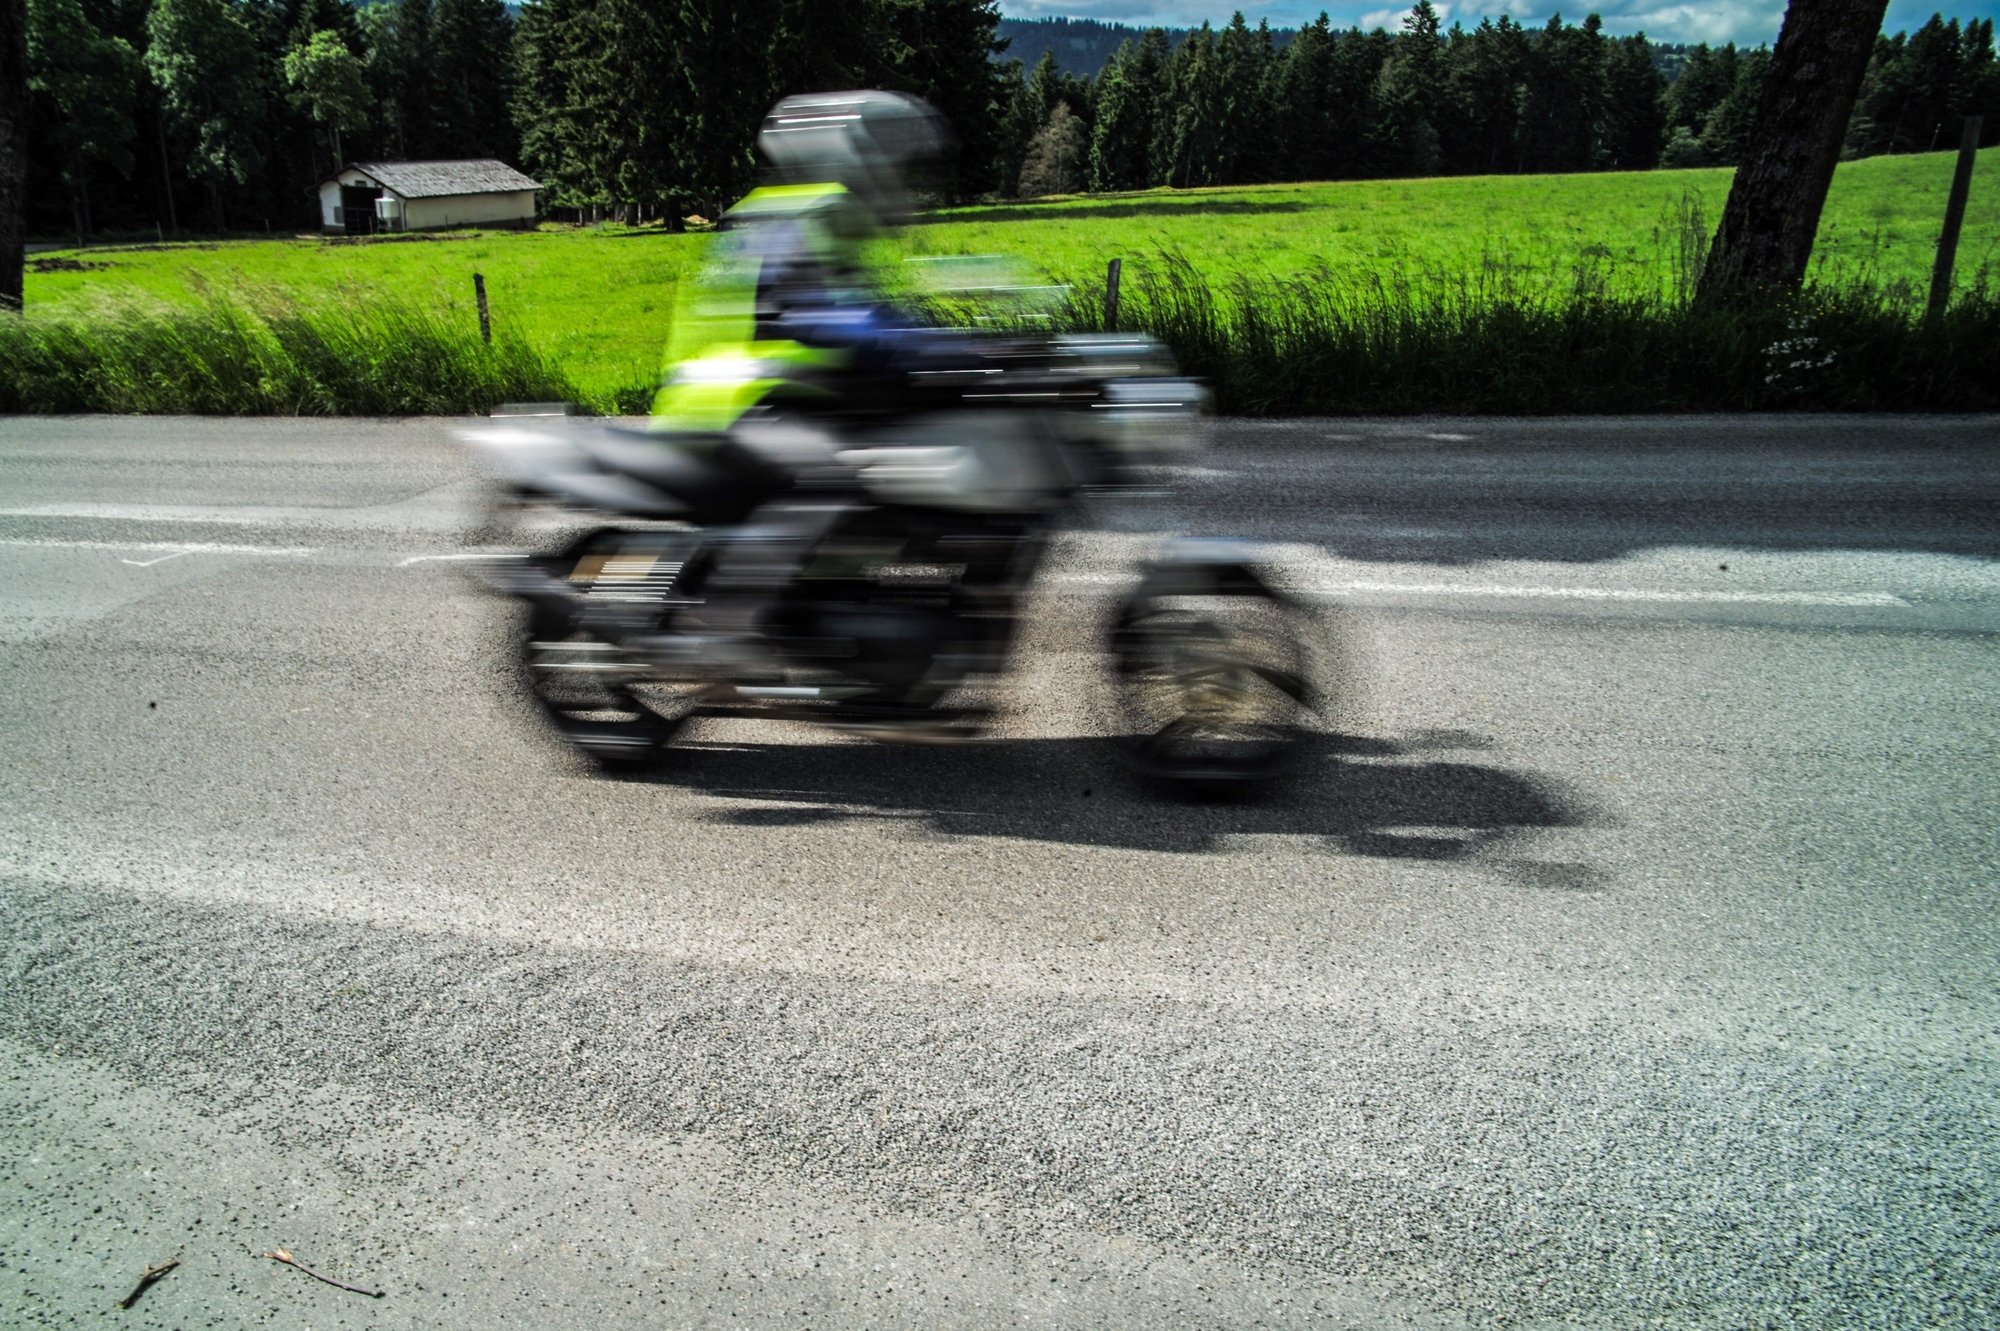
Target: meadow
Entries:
(1257, 286)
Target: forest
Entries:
(163, 117)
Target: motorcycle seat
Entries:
(710, 479)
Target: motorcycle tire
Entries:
(619, 722)
(1211, 670)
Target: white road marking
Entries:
(233, 516)
(175, 547)
(435, 559)
(148, 563)
(1667, 595)
(1670, 596)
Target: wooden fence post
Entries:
(1111, 295)
(485, 321)
(1954, 216)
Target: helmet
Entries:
(868, 141)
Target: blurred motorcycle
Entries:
(863, 558)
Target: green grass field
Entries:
(1881, 221)
(1481, 294)
(596, 302)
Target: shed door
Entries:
(357, 208)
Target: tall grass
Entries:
(1483, 342)
(1488, 339)
(265, 354)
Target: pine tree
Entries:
(1301, 109)
(392, 54)
(1728, 126)
(1186, 147)
(13, 151)
(699, 138)
(1981, 79)
(1409, 98)
(540, 83)
(1634, 114)
(1242, 84)
(1563, 122)
(1356, 133)
(1128, 93)
(467, 52)
(943, 53)
(825, 45)
(1705, 80)
(1918, 88)
(1028, 108)
(1485, 88)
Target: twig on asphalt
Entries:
(146, 1279)
(282, 1255)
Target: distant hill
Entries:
(1081, 45)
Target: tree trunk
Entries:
(73, 177)
(13, 149)
(1787, 163)
(166, 176)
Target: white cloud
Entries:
(1745, 24)
(1390, 20)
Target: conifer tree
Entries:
(1409, 98)
(1128, 92)
(469, 43)
(1301, 110)
(1728, 126)
(1633, 112)
(13, 150)
(1485, 89)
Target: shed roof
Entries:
(432, 180)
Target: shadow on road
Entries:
(1354, 796)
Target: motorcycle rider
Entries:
(785, 307)
(786, 299)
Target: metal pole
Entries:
(1954, 216)
(485, 322)
(1111, 295)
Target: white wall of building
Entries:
(329, 198)
(470, 210)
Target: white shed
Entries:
(366, 197)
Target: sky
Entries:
(1745, 22)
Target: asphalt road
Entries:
(1626, 955)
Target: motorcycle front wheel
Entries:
(1212, 675)
(584, 686)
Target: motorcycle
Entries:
(888, 536)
